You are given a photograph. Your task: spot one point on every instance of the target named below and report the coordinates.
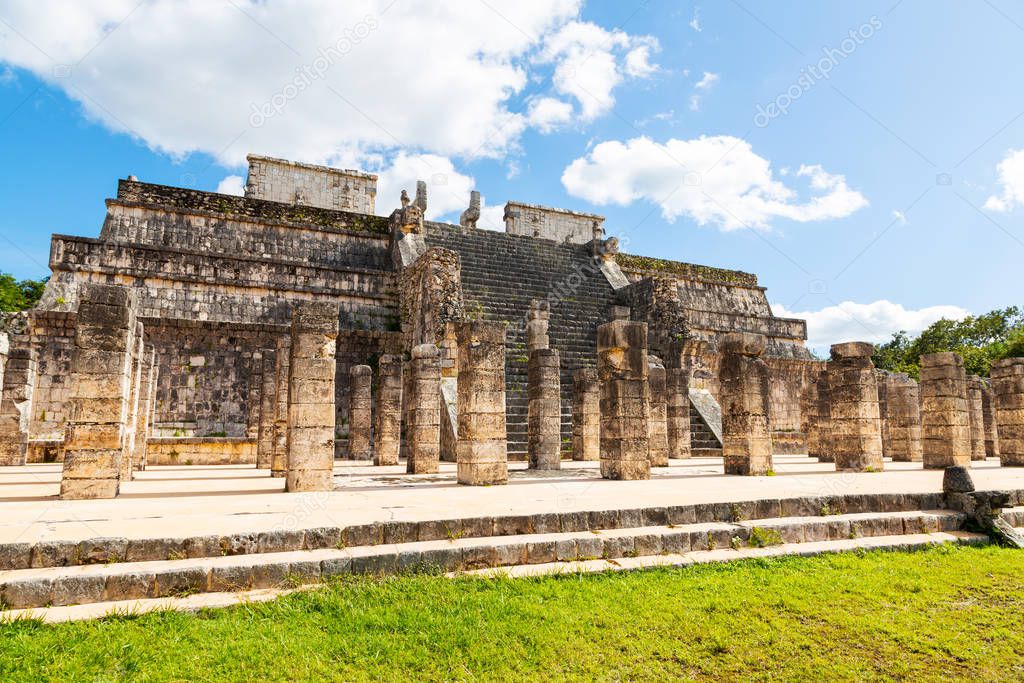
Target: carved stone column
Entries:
(268, 411)
(586, 416)
(311, 397)
(657, 435)
(1007, 378)
(905, 420)
(677, 412)
(481, 451)
(145, 410)
(746, 435)
(945, 419)
(423, 411)
(622, 371)
(388, 433)
(360, 412)
(279, 459)
(16, 404)
(544, 410)
(819, 420)
(976, 417)
(988, 405)
(134, 400)
(856, 425)
(101, 366)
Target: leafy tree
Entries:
(19, 295)
(978, 339)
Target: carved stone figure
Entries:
(471, 215)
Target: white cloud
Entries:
(492, 217)
(717, 180)
(875, 322)
(899, 216)
(706, 81)
(695, 22)
(589, 64)
(232, 184)
(324, 79)
(548, 113)
(1011, 182)
(694, 102)
(447, 189)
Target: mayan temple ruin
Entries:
(295, 341)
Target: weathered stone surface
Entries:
(1007, 376)
(957, 479)
(677, 412)
(746, 437)
(622, 370)
(481, 450)
(387, 432)
(360, 412)
(19, 376)
(976, 416)
(544, 411)
(988, 412)
(856, 432)
(268, 410)
(819, 418)
(423, 412)
(96, 440)
(904, 419)
(282, 365)
(586, 415)
(310, 437)
(657, 427)
(945, 419)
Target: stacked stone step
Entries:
(746, 435)
(945, 420)
(1007, 376)
(501, 276)
(853, 408)
(703, 441)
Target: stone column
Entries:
(945, 420)
(657, 435)
(586, 416)
(883, 378)
(677, 412)
(423, 411)
(387, 435)
(853, 408)
(279, 458)
(622, 372)
(481, 452)
(311, 410)
(1007, 378)
(976, 417)
(904, 407)
(134, 399)
(100, 388)
(145, 408)
(746, 434)
(819, 420)
(16, 404)
(268, 411)
(537, 323)
(360, 412)
(988, 406)
(544, 410)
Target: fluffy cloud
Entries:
(447, 189)
(705, 83)
(875, 322)
(316, 80)
(589, 63)
(717, 180)
(1011, 182)
(232, 184)
(548, 113)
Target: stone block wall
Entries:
(53, 338)
(290, 182)
(544, 222)
(16, 403)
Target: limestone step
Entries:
(81, 584)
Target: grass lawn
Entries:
(946, 613)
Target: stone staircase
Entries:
(113, 570)
(501, 275)
(703, 442)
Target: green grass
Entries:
(947, 613)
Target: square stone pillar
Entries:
(387, 435)
(134, 400)
(904, 408)
(311, 410)
(16, 404)
(423, 410)
(481, 452)
(268, 410)
(279, 458)
(622, 372)
(945, 420)
(145, 411)
(544, 410)
(883, 379)
(988, 406)
(657, 435)
(677, 412)
(1007, 376)
(586, 416)
(819, 419)
(746, 434)
(360, 412)
(853, 408)
(96, 432)
(976, 417)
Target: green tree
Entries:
(19, 295)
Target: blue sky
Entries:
(887, 195)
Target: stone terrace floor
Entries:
(177, 501)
